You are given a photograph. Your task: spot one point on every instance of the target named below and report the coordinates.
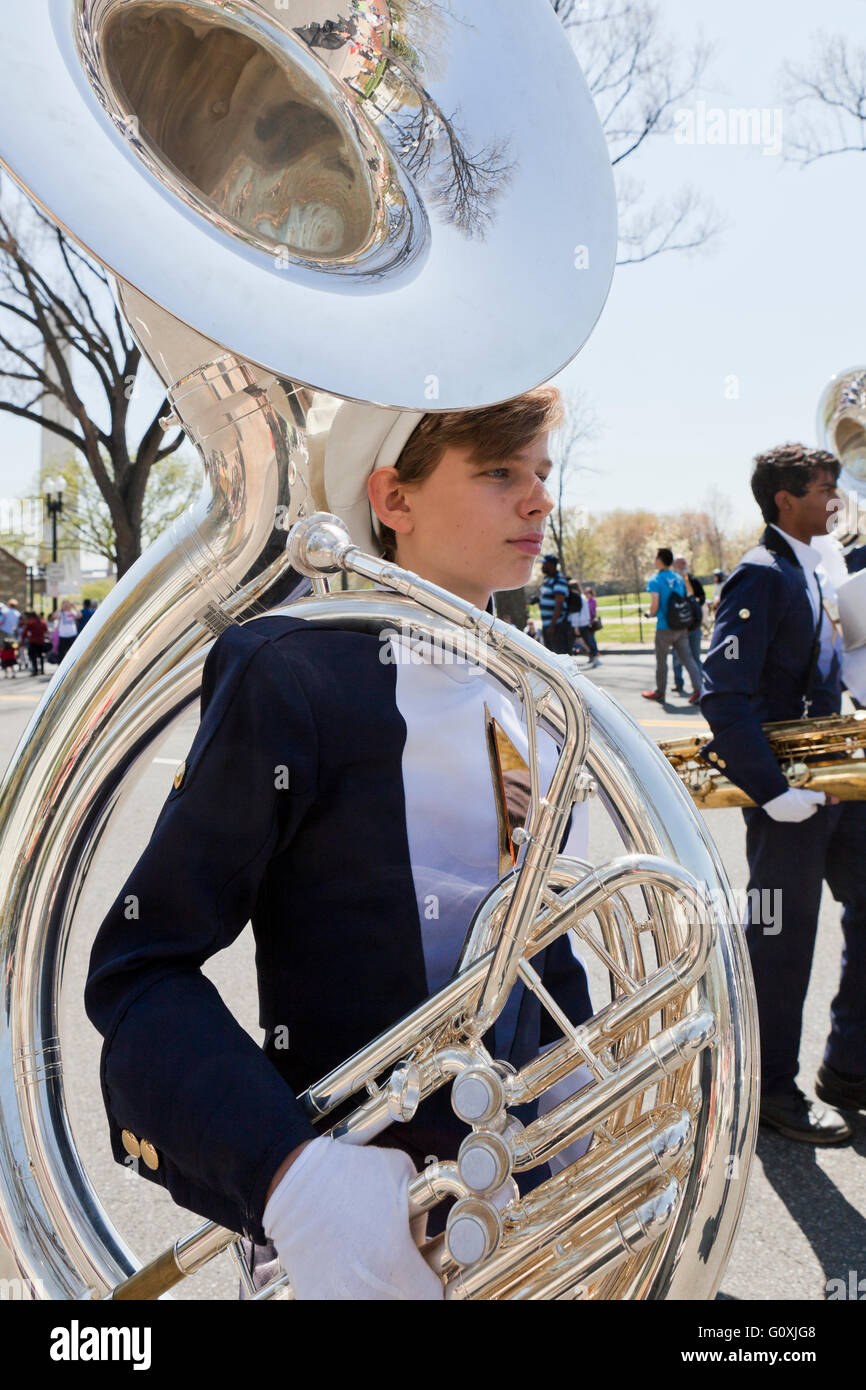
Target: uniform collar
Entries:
(461, 670)
(807, 557)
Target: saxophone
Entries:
(821, 755)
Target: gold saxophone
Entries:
(822, 755)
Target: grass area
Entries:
(621, 624)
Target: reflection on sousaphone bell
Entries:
(417, 245)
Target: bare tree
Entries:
(627, 537)
(638, 81)
(578, 428)
(830, 99)
(62, 336)
(464, 182)
(582, 550)
(717, 509)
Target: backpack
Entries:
(684, 610)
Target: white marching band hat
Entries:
(347, 442)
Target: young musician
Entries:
(775, 655)
(339, 794)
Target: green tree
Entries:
(173, 483)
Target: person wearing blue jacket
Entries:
(339, 794)
(775, 655)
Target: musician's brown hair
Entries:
(788, 468)
(496, 432)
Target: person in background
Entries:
(88, 608)
(8, 657)
(790, 664)
(553, 602)
(67, 626)
(532, 631)
(682, 568)
(718, 581)
(664, 583)
(575, 604)
(11, 619)
(581, 621)
(594, 615)
(35, 634)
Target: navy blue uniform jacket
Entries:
(757, 668)
(321, 867)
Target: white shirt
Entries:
(812, 561)
(834, 567)
(580, 618)
(450, 807)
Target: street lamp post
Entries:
(55, 507)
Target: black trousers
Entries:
(793, 861)
(558, 638)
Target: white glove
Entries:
(796, 804)
(339, 1219)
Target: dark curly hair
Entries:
(788, 468)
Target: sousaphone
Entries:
(408, 205)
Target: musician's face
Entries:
(810, 514)
(472, 527)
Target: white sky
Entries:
(780, 302)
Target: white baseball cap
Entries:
(347, 442)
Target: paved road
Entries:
(805, 1218)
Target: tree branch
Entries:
(831, 94)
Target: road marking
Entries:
(21, 697)
(170, 762)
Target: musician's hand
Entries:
(339, 1219)
(796, 804)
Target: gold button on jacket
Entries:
(149, 1155)
(745, 613)
(130, 1143)
(179, 775)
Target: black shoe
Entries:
(680, 689)
(835, 1090)
(799, 1118)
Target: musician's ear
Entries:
(389, 498)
